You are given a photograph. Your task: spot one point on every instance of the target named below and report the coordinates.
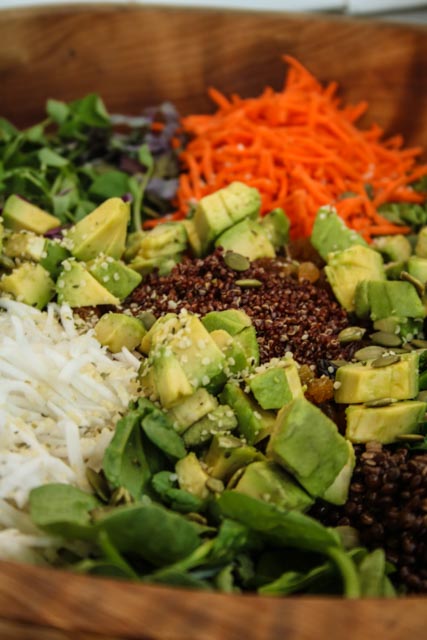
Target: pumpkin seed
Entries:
(386, 339)
(408, 347)
(236, 261)
(99, 483)
(147, 318)
(385, 361)
(369, 353)
(339, 363)
(235, 478)
(351, 334)
(381, 402)
(215, 485)
(420, 344)
(251, 283)
(121, 496)
(419, 286)
(410, 437)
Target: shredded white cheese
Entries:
(60, 397)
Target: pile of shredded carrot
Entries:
(302, 149)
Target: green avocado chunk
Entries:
(417, 267)
(361, 382)
(268, 482)
(345, 269)
(330, 233)
(102, 231)
(254, 423)
(227, 454)
(78, 288)
(169, 377)
(384, 298)
(384, 424)
(166, 239)
(29, 283)
(307, 444)
(118, 330)
(26, 245)
(191, 476)
(421, 245)
(248, 238)
(337, 493)
(18, 214)
(276, 385)
(231, 320)
(220, 420)
(393, 248)
(192, 409)
(276, 224)
(114, 275)
(241, 201)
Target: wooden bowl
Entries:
(135, 57)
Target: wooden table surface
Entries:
(135, 57)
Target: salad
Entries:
(213, 365)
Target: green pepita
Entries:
(351, 334)
(410, 437)
(236, 261)
(386, 339)
(385, 361)
(419, 286)
(249, 283)
(369, 353)
(99, 484)
(419, 344)
(147, 318)
(215, 485)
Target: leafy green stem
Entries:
(348, 571)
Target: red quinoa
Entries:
(288, 314)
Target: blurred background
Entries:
(412, 11)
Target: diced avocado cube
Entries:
(192, 477)
(268, 482)
(330, 233)
(362, 305)
(247, 341)
(193, 238)
(231, 320)
(248, 238)
(392, 298)
(421, 244)
(118, 330)
(78, 288)
(337, 493)
(29, 283)
(197, 353)
(211, 218)
(133, 241)
(114, 275)
(220, 420)
(393, 248)
(226, 454)
(192, 409)
(169, 378)
(276, 224)
(18, 214)
(417, 267)
(253, 422)
(271, 387)
(393, 270)
(384, 424)
(160, 331)
(240, 201)
(102, 231)
(307, 443)
(163, 264)
(361, 382)
(165, 239)
(24, 245)
(345, 269)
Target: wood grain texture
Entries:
(140, 56)
(135, 56)
(77, 604)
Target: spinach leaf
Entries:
(282, 528)
(164, 483)
(63, 510)
(159, 429)
(373, 578)
(150, 531)
(125, 464)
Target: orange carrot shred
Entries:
(301, 148)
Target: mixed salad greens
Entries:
(208, 476)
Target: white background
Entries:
(352, 6)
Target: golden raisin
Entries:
(306, 374)
(308, 271)
(320, 390)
